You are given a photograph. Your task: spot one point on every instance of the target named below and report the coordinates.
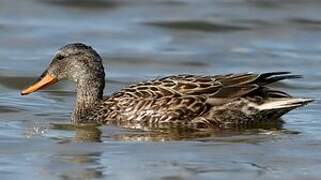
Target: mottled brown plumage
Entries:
(188, 100)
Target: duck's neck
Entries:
(89, 94)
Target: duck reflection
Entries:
(143, 132)
(138, 132)
(76, 157)
(84, 162)
(83, 132)
(87, 134)
(82, 166)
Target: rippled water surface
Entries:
(145, 39)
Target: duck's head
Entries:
(77, 62)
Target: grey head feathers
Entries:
(79, 49)
(75, 62)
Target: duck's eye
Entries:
(60, 57)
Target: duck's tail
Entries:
(277, 107)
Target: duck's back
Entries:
(204, 101)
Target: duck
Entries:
(200, 101)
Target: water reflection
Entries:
(86, 159)
(231, 135)
(85, 133)
(76, 157)
(89, 133)
(80, 166)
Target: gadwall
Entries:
(192, 100)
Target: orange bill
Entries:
(45, 81)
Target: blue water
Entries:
(144, 39)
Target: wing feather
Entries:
(184, 97)
(227, 86)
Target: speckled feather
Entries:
(193, 100)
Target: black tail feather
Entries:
(268, 78)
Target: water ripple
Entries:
(85, 4)
(197, 26)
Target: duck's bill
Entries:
(45, 81)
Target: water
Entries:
(147, 39)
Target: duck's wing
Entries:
(182, 98)
(227, 86)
